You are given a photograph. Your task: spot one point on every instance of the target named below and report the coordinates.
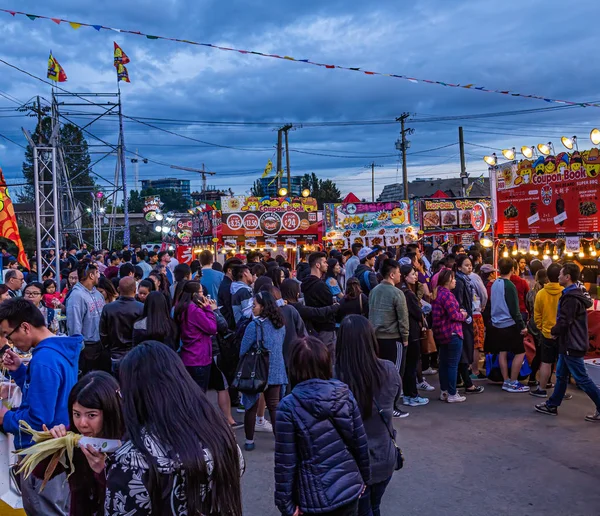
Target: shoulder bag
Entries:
(399, 456)
(252, 374)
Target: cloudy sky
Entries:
(528, 47)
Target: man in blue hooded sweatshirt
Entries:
(45, 384)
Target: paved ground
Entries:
(491, 455)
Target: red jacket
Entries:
(522, 289)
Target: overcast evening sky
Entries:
(531, 47)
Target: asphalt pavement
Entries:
(491, 455)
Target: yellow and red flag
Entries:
(120, 56)
(8, 222)
(55, 71)
(122, 73)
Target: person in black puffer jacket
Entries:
(321, 449)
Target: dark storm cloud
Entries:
(521, 46)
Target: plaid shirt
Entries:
(447, 318)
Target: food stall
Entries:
(454, 220)
(206, 227)
(369, 223)
(548, 208)
(276, 224)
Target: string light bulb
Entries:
(581, 252)
(515, 251)
(527, 152)
(555, 255)
(505, 253)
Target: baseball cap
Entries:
(487, 268)
(365, 252)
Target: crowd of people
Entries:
(126, 345)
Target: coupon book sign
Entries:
(554, 195)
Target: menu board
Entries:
(554, 195)
(206, 226)
(440, 215)
(253, 217)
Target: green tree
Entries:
(173, 200)
(77, 161)
(257, 189)
(324, 191)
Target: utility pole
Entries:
(202, 171)
(402, 146)
(372, 167)
(279, 152)
(287, 160)
(464, 176)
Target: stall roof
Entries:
(350, 198)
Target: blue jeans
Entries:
(576, 366)
(449, 357)
(369, 502)
(200, 374)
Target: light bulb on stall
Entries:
(593, 253)
(581, 252)
(555, 255)
(569, 254)
(505, 253)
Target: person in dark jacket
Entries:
(116, 322)
(156, 323)
(408, 281)
(375, 384)
(464, 291)
(365, 272)
(354, 301)
(294, 325)
(317, 294)
(571, 331)
(321, 449)
(224, 294)
(290, 292)
(303, 269)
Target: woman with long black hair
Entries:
(267, 328)
(94, 411)
(156, 322)
(354, 301)
(181, 456)
(197, 323)
(464, 291)
(375, 384)
(408, 284)
(162, 284)
(332, 277)
(321, 452)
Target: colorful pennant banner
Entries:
(77, 25)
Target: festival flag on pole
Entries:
(122, 74)
(119, 55)
(268, 168)
(55, 71)
(8, 222)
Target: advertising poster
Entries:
(443, 215)
(551, 196)
(183, 231)
(369, 223)
(270, 218)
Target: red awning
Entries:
(350, 198)
(440, 195)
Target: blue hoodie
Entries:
(46, 384)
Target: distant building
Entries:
(271, 190)
(169, 183)
(210, 194)
(428, 186)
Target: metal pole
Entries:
(38, 216)
(287, 161)
(404, 166)
(123, 173)
(56, 217)
(279, 144)
(373, 182)
(464, 177)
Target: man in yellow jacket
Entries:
(544, 314)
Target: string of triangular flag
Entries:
(470, 86)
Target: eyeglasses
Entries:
(8, 337)
(29, 293)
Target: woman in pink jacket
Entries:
(195, 318)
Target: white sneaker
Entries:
(430, 371)
(444, 396)
(265, 426)
(456, 398)
(425, 386)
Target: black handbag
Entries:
(399, 456)
(252, 374)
